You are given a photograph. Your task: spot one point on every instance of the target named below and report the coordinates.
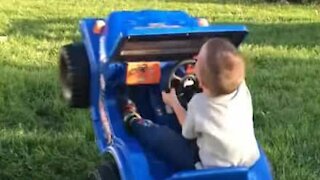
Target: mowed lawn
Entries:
(40, 138)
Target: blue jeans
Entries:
(166, 143)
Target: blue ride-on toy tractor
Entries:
(139, 54)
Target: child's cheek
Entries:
(200, 84)
(196, 70)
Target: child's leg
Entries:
(165, 143)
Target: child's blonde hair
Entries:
(224, 68)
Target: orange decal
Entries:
(143, 73)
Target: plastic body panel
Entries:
(152, 25)
(261, 170)
(133, 161)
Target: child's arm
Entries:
(180, 112)
(185, 118)
(171, 100)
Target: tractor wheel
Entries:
(106, 171)
(75, 75)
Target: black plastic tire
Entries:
(106, 171)
(75, 75)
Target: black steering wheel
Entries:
(183, 79)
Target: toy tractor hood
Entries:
(162, 35)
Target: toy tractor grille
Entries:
(159, 49)
(162, 47)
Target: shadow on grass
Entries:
(56, 29)
(40, 137)
(32, 100)
(43, 155)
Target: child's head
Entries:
(219, 68)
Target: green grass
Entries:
(40, 138)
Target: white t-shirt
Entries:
(223, 127)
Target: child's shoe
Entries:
(130, 113)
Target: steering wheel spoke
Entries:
(176, 77)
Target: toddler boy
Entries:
(219, 118)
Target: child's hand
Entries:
(170, 98)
